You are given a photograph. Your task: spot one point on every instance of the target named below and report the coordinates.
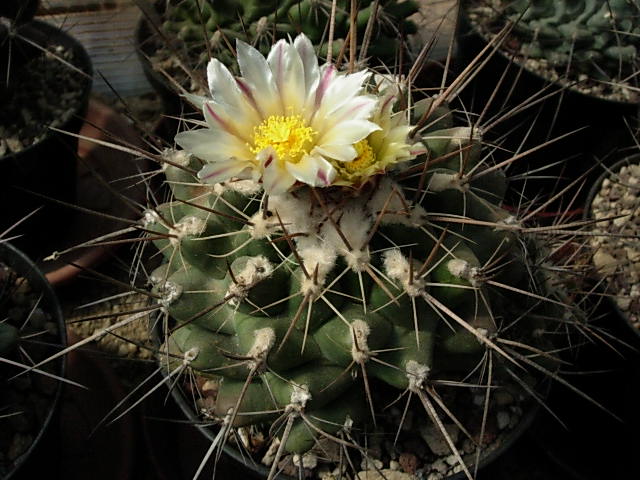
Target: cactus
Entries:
(599, 38)
(301, 284)
(196, 22)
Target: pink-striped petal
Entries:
(313, 170)
(220, 171)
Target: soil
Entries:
(617, 251)
(420, 451)
(44, 92)
(485, 18)
(25, 401)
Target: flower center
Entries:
(289, 137)
(365, 158)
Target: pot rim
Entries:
(593, 191)
(17, 260)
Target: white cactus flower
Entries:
(284, 120)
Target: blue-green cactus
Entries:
(596, 37)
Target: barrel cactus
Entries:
(200, 22)
(332, 243)
(599, 38)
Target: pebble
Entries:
(504, 419)
(386, 474)
(408, 462)
(436, 440)
(440, 466)
(270, 454)
(369, 463)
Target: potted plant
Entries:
(31, 329)
(574, 63)
(46, 80)
(342, 287)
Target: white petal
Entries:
(348, 132)
(222, 85)
(229, 119)
(326, 77)
(341, 90)
(196, 100)
(309, 60)
(257, 74)
(358, 108)
(313, 170)
(226, 91)
(224, 170)
(293, 91)
(275, 178)
(343, 153)
(212, 145)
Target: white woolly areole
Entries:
(299, 397)
(188, 226)
(354, 224)
(462, 269)
(509, 221)
(262, 226)
(176, 157)
(416, 374)
(295, 212)
(390, 194)
(149, 218)
(190, 355)
(256, 269)
(264, 338)
(170, 292)
(396, 266)
(320, 256)
(360, 331)
(243, 187)
(440, 181)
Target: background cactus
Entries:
(197, 22)
(299, 306)
(596, 37)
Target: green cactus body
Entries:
(597, 37)
(301, 299)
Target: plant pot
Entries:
(605, 123)
(25, 267)
(617, 277)
(46, 167)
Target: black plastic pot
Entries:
(47, 167)
(22, 264)
(632, 159)
(606, 123)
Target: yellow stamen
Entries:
(289, 137)
(365, 158)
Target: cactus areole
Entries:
(320, 249)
